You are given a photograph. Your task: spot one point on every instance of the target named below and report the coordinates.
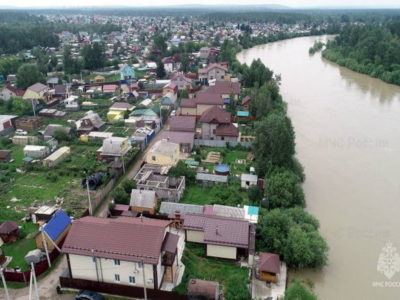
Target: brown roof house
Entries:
(182, 123)
(197, 106)
(216, 125)
(9, 231)
(268, 267)
(212, 72)
(224, 237)
(143, 201)
(204, 289)
(36, 91)
(224, 89)
(184, 139)
(118, 251)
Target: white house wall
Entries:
(195, 236)
(221, 251)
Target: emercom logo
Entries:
(389, 261)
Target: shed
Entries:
(143, 201)
(206, 179)
(247, 180)
(56, 229)
(9, 231)
(203, 289)
(268, 267)
(56, 157)
(36, 151)
(33, 256)
(5, 155)
(43, 214)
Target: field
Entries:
(233, 278)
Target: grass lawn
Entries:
(20, 248)
(229, 274)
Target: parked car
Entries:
(88, 295)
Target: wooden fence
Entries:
(119, 289)
(219, 143)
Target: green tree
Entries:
(159, 44)
(274, 142)
(61, 135)
(9, 65)
(160, 70)
(94, 56)
(283, 190)
(121, 196)
(27, 75)
(181, 169)
(255, 194)
(20, 106)
(297, 291)
(185, 60)
(128, 185)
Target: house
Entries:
(247, 180)
(181, 81)
(52, 82)
(90, 122)
(56, 229)
(36, 91)
(163, 153)
(203, 289)
(118, 110)
(9, 92)
(9, 231)
(184, 139)
(225, 89)
(99, 79)
(51, 130)
(182, 123)
(122, 251)
(126, 72)
(28, 123)
(5, 156)
(153, 177)
(204, 53)
(216, 125)
(198, 105)
(268, 267)
(171, 64)
(224, 237)
(110, 89)
(143, 201)
(114, 147)
(61, 91)
(211, 73)
(57, 156)
(170, 88)
(246, 102)
(7, 124)
(208, 180)
(35, 151)
(142, 118)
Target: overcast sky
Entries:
(291, 3)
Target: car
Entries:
(88, 295)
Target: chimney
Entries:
(177, 215)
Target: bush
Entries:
(255, 194)
(128, 186)
(296, 291)
(120, 196)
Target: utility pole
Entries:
(33, 278)
(123, 163)
(4, 284)
(33, 108)
(88, 193)
(44, 241)
(144, 281)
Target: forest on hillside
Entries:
(370, 49)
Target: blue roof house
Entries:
(127, 73)
(55, 230)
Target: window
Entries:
(139, 265)
(116, 278)
(132, 280)
(153, 158)
(117, 262)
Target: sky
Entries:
(290, 3)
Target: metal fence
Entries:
(219, 143)
(119, 289)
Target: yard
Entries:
(233, 278)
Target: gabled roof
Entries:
(38, 87)
(209, 98)
(8, 226)
(217, 115)
(220, 230)
(121, 106)
(182, 123)
(269, 262)
(171, 207)
(226, 130)
(223, 87)
(210, 67)
(245, 100)
(16, 91)
(143, 112)
(143, 198)
(57, 224)
(178, 137)
(124, 238)
(188, 103)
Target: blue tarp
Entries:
(242, 113)
(57, 224)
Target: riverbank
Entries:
(347, 130)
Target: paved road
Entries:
(47, 285)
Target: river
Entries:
(348, 139)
